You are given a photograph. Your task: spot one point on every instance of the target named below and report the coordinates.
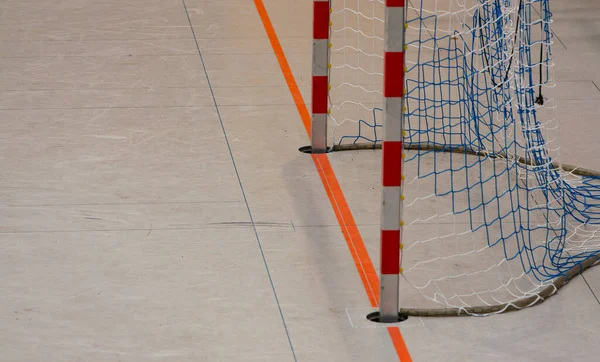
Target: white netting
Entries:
(489, 218)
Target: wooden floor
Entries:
(154, 205)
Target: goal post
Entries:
(478, 216)
(320, 75)
(391, 167)
(393, 89)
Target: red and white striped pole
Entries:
(320, 75)
(391, 206)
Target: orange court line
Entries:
(356, 245)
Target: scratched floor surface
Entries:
(154, 206)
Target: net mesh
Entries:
(489, 217)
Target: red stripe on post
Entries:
(393, 74)
(392, 163)
(390, 251)
(394, 3)
(319, 94)
(321, 20)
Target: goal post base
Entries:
(376, 317)
(309, 149)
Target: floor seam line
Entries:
(241, 185)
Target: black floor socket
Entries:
(308, 149)
(375, 317)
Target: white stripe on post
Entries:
(391, 205)
(320, 61)
(392, 119)
(394, 29)
(320, 74)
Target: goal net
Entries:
(492, 221)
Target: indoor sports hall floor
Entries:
(154, 205)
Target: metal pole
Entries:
(320, 75)
(391, 206)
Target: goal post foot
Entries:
(376, 317)
(309, 149)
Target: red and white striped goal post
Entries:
(392, 159)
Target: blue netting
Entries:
(477, 90)
(371, 134)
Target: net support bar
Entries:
(320, 75)
(391, 205)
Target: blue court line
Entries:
(241, 185)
